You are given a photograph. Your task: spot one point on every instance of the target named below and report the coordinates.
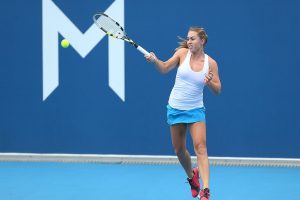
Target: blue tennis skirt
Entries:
(176, 116)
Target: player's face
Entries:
(194, 42)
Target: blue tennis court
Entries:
(87, 119)
(93, 181)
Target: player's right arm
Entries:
(166, 66)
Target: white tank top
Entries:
(187, 92)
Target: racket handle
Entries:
(143, 51)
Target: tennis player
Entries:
(185, 109)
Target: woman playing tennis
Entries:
(185, 109)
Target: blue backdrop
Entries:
(256, 44)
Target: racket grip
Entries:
(143, 51)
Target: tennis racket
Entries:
(115, 30)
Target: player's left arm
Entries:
(212, 79)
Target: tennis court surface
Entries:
(94, 181)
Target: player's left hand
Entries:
(208, 77)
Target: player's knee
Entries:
(201, 149)
(179, 150)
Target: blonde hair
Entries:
(200, 32)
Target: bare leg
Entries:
(178, 133)
(198, 133)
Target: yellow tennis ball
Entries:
(65, 43)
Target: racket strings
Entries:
(109, 26)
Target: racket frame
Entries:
(124, 37)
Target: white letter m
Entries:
(55, 22)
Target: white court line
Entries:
(145, 159)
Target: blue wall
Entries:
(257, 47)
